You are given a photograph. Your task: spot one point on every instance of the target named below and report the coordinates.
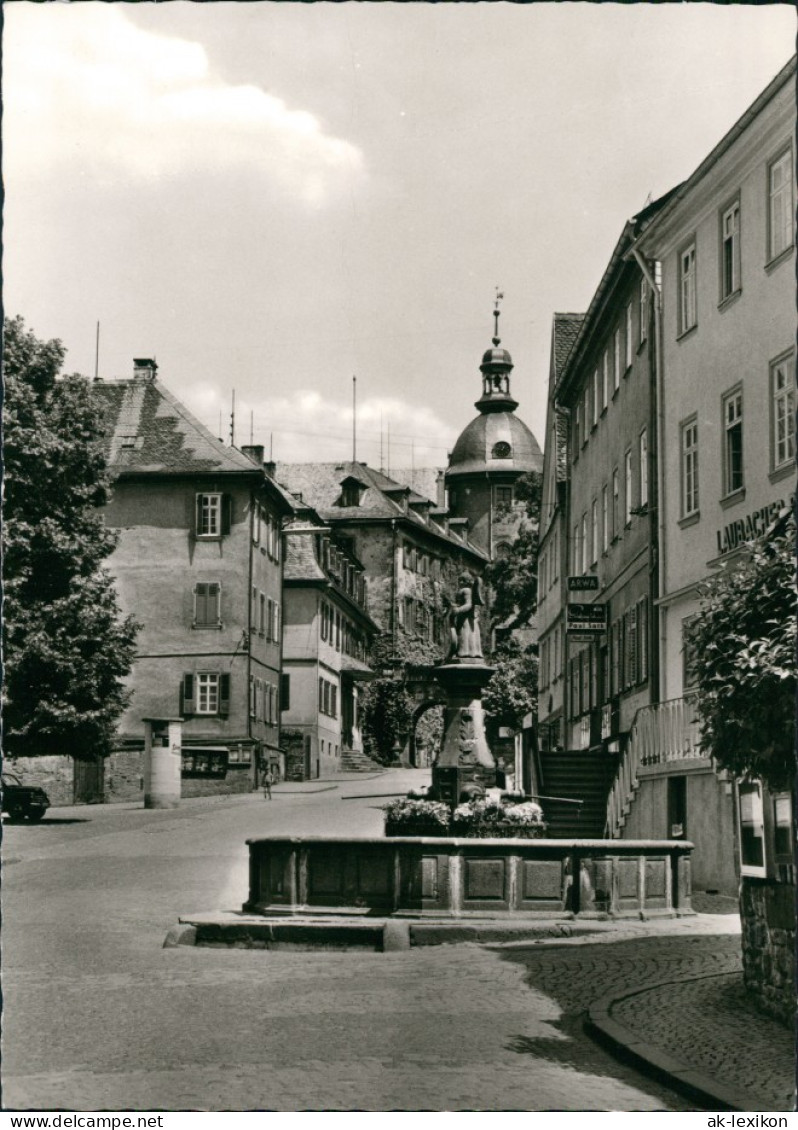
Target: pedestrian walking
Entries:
(268, 781)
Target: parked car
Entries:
(23, 801)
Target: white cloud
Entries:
(306, 426)
(88, 93)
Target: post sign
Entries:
(586, 617)
(588, 583)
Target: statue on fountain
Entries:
(464, 620)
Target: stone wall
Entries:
(124, 776)
(767, 912)
(238, 780)
(54, 774)
(293, 744)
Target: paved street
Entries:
(99, 1015)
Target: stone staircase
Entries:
(576, 774)
(354, 761)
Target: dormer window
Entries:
(351, 492)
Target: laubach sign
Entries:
(746, 529)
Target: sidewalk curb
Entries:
(693, 1083)
(249, 931)
(277, 790)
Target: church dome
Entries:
(495, 441)
(497, 357)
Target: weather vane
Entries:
(499, 297)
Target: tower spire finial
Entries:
(499, 297)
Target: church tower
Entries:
(490, 455)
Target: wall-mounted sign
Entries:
(588, 583)
(586, 617)
(752, 526)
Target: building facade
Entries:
(327, 640)
(725, 249)
(606, 392)
(410, 550)
(412, 555)
(553, 546)
(199, 565)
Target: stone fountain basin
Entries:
(456, 878)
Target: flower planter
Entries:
(502, 831)
(415, 828)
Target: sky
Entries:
(273, 198)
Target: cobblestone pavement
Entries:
(696, 1010)
(449, 1028)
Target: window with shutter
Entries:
(207, 601)
(642, 639)
(253, 697)
(224, 694)
(187, 694)
(207, 692)
(632, 675)
(321, 696)
(227, 513)
(333, 701)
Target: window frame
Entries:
(687, 280)
(594, 539)
(616, 360)
(628, 338)
(211, 522)
(643, 305)
(754, 789)
(729, 251)
(605, 518)
(731, 473)
(788, 223)
(785, 362)
(207, 622)
(628, 486)
(605, 380)
(616, 502)
(642, 452)
(210, 681)
(689, 467)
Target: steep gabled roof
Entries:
(565, 331)
(383, 498)
(147, 430)
(564, 334)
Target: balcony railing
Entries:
(660, 734)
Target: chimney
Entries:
(270, 467)
(440, 486)
(144, 369)
(254, 451)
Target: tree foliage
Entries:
(513, 687)
(744, 643)
(66, 646)
(513, 578)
